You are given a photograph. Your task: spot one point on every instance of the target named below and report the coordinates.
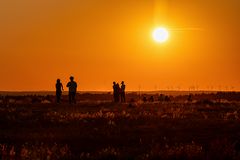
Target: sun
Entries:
(160, 35)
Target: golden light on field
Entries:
(160, 35)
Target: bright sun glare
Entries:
(160, 35)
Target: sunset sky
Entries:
(101, 41)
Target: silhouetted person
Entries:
(59, 89)
(114, 91)
(117, 92)
(122, 92)
(72, 88)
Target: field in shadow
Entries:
(134, 130)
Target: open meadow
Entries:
(176, 127)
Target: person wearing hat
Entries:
(123, 86)
(72, 88)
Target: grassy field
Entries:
(105, 130)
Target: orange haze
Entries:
(100, 41)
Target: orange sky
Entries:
(100, 41)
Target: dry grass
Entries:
(169, 130)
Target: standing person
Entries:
(114, 92)
(59, 89)
(118, 90)
(72, 88)
(123, 86)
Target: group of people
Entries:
(72, 90)
(119, 92)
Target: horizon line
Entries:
(200, 90)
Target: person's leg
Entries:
(70, 97)
(74, 97)
(121, 97)
(114, 97)
(57, 97)
(118, 97)
(60, 96)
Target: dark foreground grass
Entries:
(120, 131)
